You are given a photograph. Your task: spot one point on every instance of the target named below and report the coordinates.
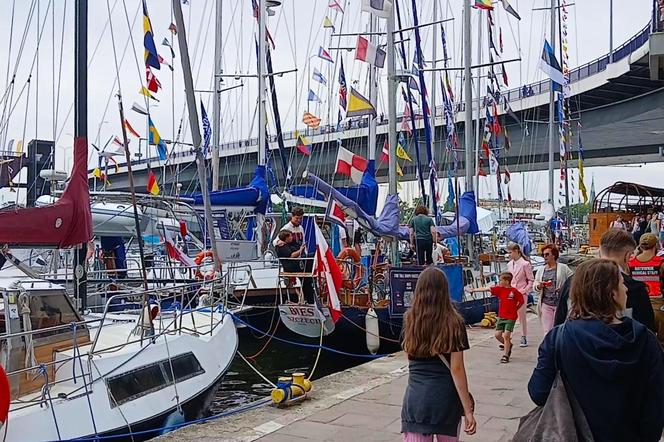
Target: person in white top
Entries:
(294, 226)
(439, 252)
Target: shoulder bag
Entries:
(561, 418)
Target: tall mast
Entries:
(195, 130)
(392, 120)
(434, 52)
(468, 95)
(372, 95)
(81, 129)
(478, 91)
(262, 116)
(552, 106)
(216, 105)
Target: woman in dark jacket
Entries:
(613, 365)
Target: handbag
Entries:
(561, 418)
(472, 399)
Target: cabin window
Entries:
(51, 310)
(150, 378)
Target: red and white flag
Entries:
(351, 165)
(325, 266)
(176, 253)
(369, 52)
(385, 153)
(335, 212)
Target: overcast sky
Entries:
(297, 31)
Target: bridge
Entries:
(618, 98)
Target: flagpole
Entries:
(552, 110)
(216, 105)
(392, 121)
(478, 85)
(468, 100)
(195, 130)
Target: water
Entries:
(242, 385)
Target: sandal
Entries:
(505, 359)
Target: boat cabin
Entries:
(35, 324)
(621, 199)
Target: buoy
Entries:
(4, 396)
(291, 390)
(372, 331)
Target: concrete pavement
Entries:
(364, 403)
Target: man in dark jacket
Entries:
(616, 245)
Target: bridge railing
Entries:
(584, 71)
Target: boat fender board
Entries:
(305, 319)
(372, 331)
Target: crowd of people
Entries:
(601, 337)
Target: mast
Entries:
(552, 106)
(195, 130)
(372, 95)
(262, 116)
(392, 120)
(81, 131)
(478, 91)
(468, 95)
(216, 105)
(434, 52)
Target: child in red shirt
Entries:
(509, 301)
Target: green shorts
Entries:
(505, 324)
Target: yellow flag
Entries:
(399, 171)
(96, 173)
(146, 92)
(401, 153)
(358, 105)
(327, 23)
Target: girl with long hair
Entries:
(434, 337)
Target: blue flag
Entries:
(317, 76)
(313, 96)
(207, 130)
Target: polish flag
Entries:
(176, 253)
(351, 165)
(369, 52)
(325, 266)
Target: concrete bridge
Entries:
(618, 98)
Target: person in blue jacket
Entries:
(613, 365)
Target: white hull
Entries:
(214, 352)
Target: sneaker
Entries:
(524, 342)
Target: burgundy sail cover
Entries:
(64, 224)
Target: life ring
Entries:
(198, 260)
(4, 396)
(352, 273)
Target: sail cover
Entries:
(65, 223)
(387, 224)
(256, 194)
(364, 194)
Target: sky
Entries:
(37, 44)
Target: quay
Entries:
(364, 403)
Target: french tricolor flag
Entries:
(351, 165)
(326, 267)
(369, 52)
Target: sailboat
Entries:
(85, 376)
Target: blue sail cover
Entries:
(364, 194)
(467, 222)
(518, 233)
(256, 194)
(387, 223)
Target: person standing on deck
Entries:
(548, 282)
(522, 280)
(434, 338)
(294, 226)
(422, 233)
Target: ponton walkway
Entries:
(364, 403)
